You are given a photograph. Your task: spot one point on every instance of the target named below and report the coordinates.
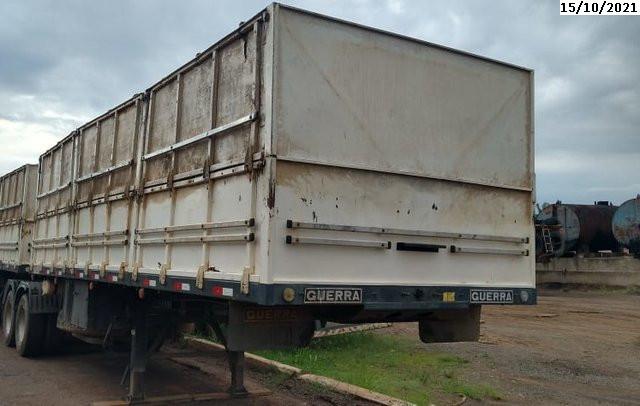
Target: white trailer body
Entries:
(307, 153)
(17, 208)
(302, 168)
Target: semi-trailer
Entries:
(302, 168)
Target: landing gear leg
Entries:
(138, 363)
(236, 365)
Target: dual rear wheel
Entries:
(31, 334)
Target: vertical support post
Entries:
(252, 149)
(211, 146)
(236, 365)
(138, 362)
(146, 126)
(73, 198)
(168, 247)
(78, 172)
(92, 193)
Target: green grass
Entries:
(395, 366)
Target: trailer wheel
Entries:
(8, 324)
(29, 329)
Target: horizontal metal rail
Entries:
(105, 171)
(54, 212)
(50, 239)
(330, 241)
(102, 234)
(492, 251)
(96, 243)
(49, 246)
(223, 173)
(197, 239)
(202, 226)
(397, 231)
(13, 206)
(218, 130)
(9, 245)
(11, 222)
(118, 195)
(52, 191)
(213, 169)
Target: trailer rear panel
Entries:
(398, 162)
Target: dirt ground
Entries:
(87, 375)
(573, 348)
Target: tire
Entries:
(29, 329)
(8, 320)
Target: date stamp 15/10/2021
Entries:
(600, 7)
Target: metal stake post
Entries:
(138, 363)
(236, 365)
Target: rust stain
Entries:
(271, 199)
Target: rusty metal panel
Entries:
(579, 227)
(200, 162)
(349, 96)
(626, 224)
(54, 207)
(17, 202)
(105, 181)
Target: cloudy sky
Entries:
(63, 62)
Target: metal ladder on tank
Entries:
(546, 238)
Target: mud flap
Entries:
(268, 327)
(454, 325)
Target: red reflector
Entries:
(217, 290)
(145, 282)
(177, 285)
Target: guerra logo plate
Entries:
(491, 296)
(332, 295)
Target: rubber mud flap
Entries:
(268, 327)
(448, 326)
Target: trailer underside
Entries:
(38, 308)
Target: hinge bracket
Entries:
(123, 267)
(200, 276)
(103, 270)
(244, 283)
(163, 273)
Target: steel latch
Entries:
(163, 273)
(200, 276)
(244, 282)
(103, 269)
(123, 267)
